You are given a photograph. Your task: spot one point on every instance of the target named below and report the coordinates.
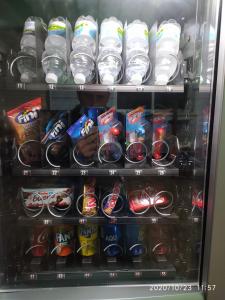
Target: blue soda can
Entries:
(111, 240)
(135, 240)
(93, 113)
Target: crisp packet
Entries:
(80, 128)
(89, 207)
(56, 128)
(110, 204)
(25, 120)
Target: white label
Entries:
(29, 27)
(85, 27)
(137, 31)
(111, 29)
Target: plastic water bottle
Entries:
(166, 66)
(136, 37)
(137, 67)
(32, 44)
(54, 65)
(109, 66)
(85, 33)
(168, 37)
(137, 49)
(111, 35)
(57, 34)
(82, 65)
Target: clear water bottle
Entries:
(111, 35)
(136, 37)
(27, 65)
(85, 33)
(166, 67)
(57, 34)
(137, 67)
(82, 65)
(168, 37)
(109, 67)
(54, 65)
(28, 39)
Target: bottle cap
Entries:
(136, 79)
(51, 78)
(25, 77)
(108, 79)
(162, 79)
(79, 78)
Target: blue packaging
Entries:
(93, 113)
(56, 128)
(80, 128)
(111, 240)
(135, 240)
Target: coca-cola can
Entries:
(39, 241)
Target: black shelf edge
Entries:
(75, 220)
(96, 172)
(179, 88)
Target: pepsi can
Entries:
(111, 240)
(135, 240)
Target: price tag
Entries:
(55, 172)
(81, 87)
(33, 276)
(111, 89)
(21, 86)
(163, 274)
(140, 89)
(47, 222)
(26, 172)
(87, 275)
(61, 276)
(137, 274)
(154, 220)
(138, 172)
(112, 172)
(195, 220)
(83, 172)
(51, 86)
(161, 172)
(113, 220)
(82, 220)
(113, 275)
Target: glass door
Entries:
(105, 132)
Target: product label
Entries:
(29, 27)
(27, 116)
(137, 31)
(57, 28)
(87, 237)
(85, 27)
(113, 30)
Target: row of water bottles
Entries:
(117, 53)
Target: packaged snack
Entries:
(137, 135)
(80, 128)
(110, 130)
(110, 204)
(89, 207)
(25, 121)
(55, 128)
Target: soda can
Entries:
(39, 241)
(111, 237)
(87, 235)
(63, 240)
(135, 243)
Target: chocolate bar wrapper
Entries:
(89, 201)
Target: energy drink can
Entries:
(135, 240)
(63, 240)
(88, 235)
(111, 240)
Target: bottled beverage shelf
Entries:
(75, 220)
(179, 88)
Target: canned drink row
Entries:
(111, 240)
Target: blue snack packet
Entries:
(80, 128)
(56, 128)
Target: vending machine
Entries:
(109, 127)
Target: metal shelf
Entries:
(75, 220)
(102, 88)
(160, 171)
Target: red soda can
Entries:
(39, 241)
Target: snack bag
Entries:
(137, 135)
(89, 207)
(25, 121)
(110, 204)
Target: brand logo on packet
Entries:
(42, 237)
(87, 232)
(58, 128)
(111, 238)
(64, 238)
(27, 116)
(87, 126)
